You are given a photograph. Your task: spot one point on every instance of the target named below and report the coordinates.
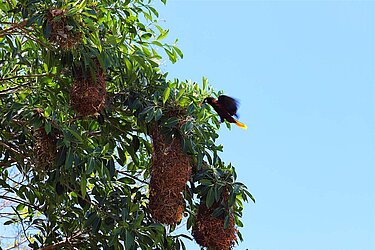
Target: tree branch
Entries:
(132, 176)
(68, 241)
(17, 245)
(14, 26)
(13, 89)
(12, 149)
(25, 76)
(35, 40)
(13, 199)
(23, 226)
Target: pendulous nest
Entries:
(44, 149)
(62, 33)
(88, 93)
(171, 169)
(208, 231)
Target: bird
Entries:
(226, 107)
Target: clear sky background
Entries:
(304, 72)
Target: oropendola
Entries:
(226, 107)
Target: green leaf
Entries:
(179, 52)
(20, 207)
(187, 127)
(75, 134)
(136, 143)
(218, 192)
(250, 195)
(69, 159)
(157, 43)
(217, 212)
(47, 31)
(166, 94)
(163, 34)
(96, 225)
(190, 222)
(158, 114)
(9, 222)
(226, 221)
(210, 198)
(180, 93)
(205, 82)
(105, 148)
(154, 11)
(239, 223)
(146, 110)
(91, 219)
(188, 145)
(127, 180)
(150, 116)
(90, 165)
(199, 160)
(129, 240)
(171, 55)
(83, 185)
(122, 156)
(146, 36)
(171, 122)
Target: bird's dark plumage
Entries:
(230, 104)
(226, 107)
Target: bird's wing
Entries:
(229, 103)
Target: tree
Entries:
(98, 149)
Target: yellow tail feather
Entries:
(241, 125)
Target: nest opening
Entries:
(170, 170)
(61, 33)
(88, 92)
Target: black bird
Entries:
(226, 107)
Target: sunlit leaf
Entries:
(166, 94)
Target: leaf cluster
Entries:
(95, 192)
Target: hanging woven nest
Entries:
(88, 92)
(208, 231)
(60, 31)
(44, 149)
(171, 169)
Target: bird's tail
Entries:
(240, 124)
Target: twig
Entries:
(16, 182)
(132, 176)
(62, 243)
(9, 23)
(12, 149)
(25, 76)
(15, 26)
(23, 226)
(13, 199)
(36, 40)
(13, 89)
(17, 245)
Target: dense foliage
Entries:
(86, 116)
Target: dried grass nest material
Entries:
(44, 149)
(88, 95)
(208, 231)
(61, 33)
(171, 169)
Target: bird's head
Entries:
(208, 100)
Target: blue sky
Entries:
(304, 72)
